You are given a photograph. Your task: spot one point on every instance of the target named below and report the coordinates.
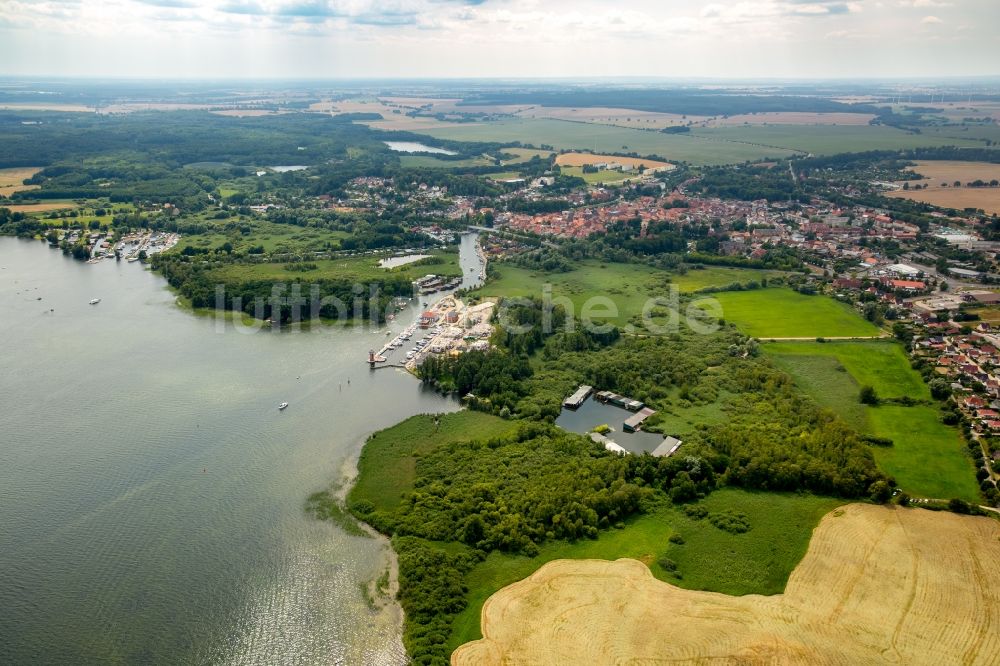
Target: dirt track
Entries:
(878, 585)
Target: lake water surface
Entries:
(414, 147)
(152, 495)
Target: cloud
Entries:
(169, 4)
(243, 7)
(931, 20)
(924, 3)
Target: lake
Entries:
(286, 169)
(152, 495)
(414, 147)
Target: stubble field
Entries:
(581, 159)
(877, 585)
(940, 178)
(12, 180)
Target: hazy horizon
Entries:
(500, 39)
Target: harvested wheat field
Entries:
(948, 171)
(12, 180)
(959, 198)
(878, 585)
(40, 207)
(580, 159)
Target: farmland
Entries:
(946, 171)
(703, 146)
(927, 458)
(630, 118)
(582, 159)
(783, 313)
(46, 207)
(12, 180)
(790, 118)
(940, 178)
(959, 198)
(757, 562)
(875, 581)
(603, 138)
(828, 139)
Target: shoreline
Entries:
(383, 602)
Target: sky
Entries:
(500, 38)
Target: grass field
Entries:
(603, 138)
(504, 175)
(388, 462)
(359, 269)
(272, 237)
(629, 286)
(877, 585)
(757, 562)
(522, 155)
(927, 458)
(605, 177)
(431, 162)
(783, 313)
(829, 139)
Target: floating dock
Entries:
(620, 401)
(634, 422)
(667, 448)
(577, 399)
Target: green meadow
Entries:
(429, 161)
(928, 458)
(522, 155)
(387, 465)
(598, 177)
(783, 313)
(356, 269)
(628, 286)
